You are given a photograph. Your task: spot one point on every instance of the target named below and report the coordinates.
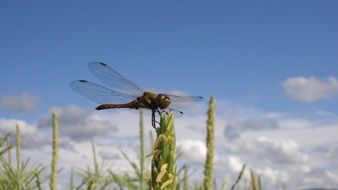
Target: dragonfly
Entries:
(123, 93)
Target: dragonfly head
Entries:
(162, 101)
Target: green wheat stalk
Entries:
(185, 178)
(255, 181)
(71, 184)
(9, 156)
(21, 176)
(163, 166)
(233, 187)
(53, 177)
(18, 147)
(142, 156)
(96, 165)
(19, 170)
(5, 146)
(37, 180)
(210, 140)
(92, 177)
(259, 183)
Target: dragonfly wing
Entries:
(176, 98)
(177, 113)
(112, 78)
(100, 94)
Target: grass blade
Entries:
(18, 148)
(210, 145)
(142, 154)
(53, 177)
(238, 177)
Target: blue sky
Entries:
(232, 50)
(243, 52)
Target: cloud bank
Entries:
(78, 124)
(236, 126)
(24, 103)
(282, 154)
(311, 89)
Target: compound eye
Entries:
(160, 98)
(164, 98)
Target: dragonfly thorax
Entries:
(154, 101)
(162, 101)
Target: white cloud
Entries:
(9, 126)
(32, 137)
(285, 155)
(307, 135)
(236, 126)
(310, 89)
(328, 152)
(78, 124)
(274, 150)
(319, 177)
(273, 177)
(295, 123)
(235, 163)
(24, 103)
(192, 151)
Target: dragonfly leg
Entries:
(153, 119)
(166, 112)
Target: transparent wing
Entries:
(177, 113)
(100, 94)
(175, 98)
(112, 78)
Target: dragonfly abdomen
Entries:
(131, 105)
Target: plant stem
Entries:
(255, 181)
(53, 178)
(96, 166)
(163, 166)
(233, 187)
(185, 178)
(38, 182)
(9, 146)
(71, 186)
(19, 183)
(142, 154)
(210, 145)
(18, 148)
